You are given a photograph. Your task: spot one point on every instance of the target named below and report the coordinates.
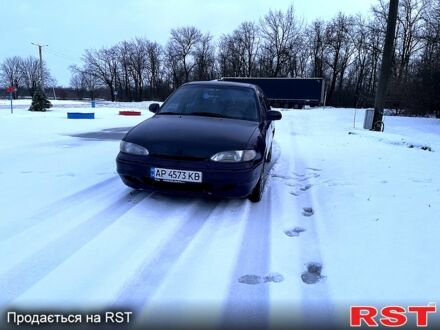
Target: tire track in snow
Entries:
(14, 228)
(200, 279)
(23, 276)
(317, 308)
(248, 305)
(153, 311)
(141, 287)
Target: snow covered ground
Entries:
(348, 217)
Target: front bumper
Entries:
(230, 180)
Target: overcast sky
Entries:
(71, 26)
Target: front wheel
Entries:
(257, 193)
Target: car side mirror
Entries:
(154, 107)
(273, 115)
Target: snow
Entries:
(73, 236)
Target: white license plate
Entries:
(167, 174)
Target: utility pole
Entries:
(385, 70)
(41, 63)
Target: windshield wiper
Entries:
(207, 114)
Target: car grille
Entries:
(176, 157)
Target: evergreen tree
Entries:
(40, 101)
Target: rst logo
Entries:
(390, 316)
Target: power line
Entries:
(62, 55)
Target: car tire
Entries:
(257, 192)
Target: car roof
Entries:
(221, 83)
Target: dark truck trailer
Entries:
(288, 92)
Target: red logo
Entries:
(389, 316)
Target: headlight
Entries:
(234, 156)
(131, 148)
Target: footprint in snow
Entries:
(311, 176)
(313, 273)
(251, 279)
(294, 232)
(298, 174)
(306, 187)
(290, 184)
(273, 277)
(256, 279)
(281, 176)
(307, 211)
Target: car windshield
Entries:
(213, 101)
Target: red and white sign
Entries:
(10, 89)
(390, 316)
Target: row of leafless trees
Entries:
(141, 69)
(23, 73)
(345, 50)
(130, 70)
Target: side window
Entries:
(263, 100)
(266, 101)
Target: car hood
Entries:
(191, 136)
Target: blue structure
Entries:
(80, 115)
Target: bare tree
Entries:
(77, 84)
(10, 73)
(154, 64)
(30, 74)
(247, 47)
(362, 58)
(83, 82)
(175, 70)
(103, 65)
(374, 43)
(316, 39)
(423, 95)
(181, 49)
(298, 59)
(280, 36)
(204, 57)
(124, 76)
(138, 65)
(339, 49)
(228, 58)
(409, 33)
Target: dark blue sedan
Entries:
(207, 138)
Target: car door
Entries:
(267, 125)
